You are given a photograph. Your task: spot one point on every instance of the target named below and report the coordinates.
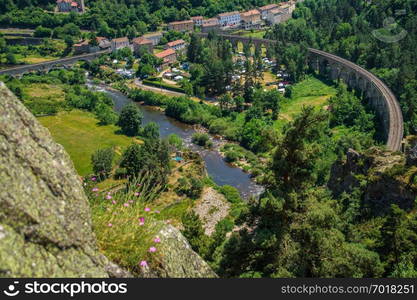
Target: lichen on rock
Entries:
(44, 214)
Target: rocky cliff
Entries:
(383, 177)
(45, 222)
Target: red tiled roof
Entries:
(141, 41)
(251, 13)
(120, 40)
(268, 7)
(165, 53)
(181, 22)
(226, 14)
(175, 43)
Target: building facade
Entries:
(178, 45)
(251, 19)
(168, 57)
(229, 18)
(264, 10)
(120, 43)
(154, 37)
(198, 20)
(70, 5)
(142, 43)
(182, 26)
(210, 25)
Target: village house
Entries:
(168, 56)
(70, 5)
(177, 45)
(229, 18)
(142, 43)
(251, 19)
(82, 47)
(187, 25)
(210, 25)
(103, 43)
(120, 43)
(86, 47)
(281, 14)
(198, 20)
(264, 10)
(154, 37)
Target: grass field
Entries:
(36, 91)
(79, 133)
(310, 91)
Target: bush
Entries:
(201, 139)
(192, 187)
(231, 156)
(164, 85)
(218, 126)
(232, 194)
(120, 173)
(130, 120)
(102, 161)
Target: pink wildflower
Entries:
(152, 249)
(110, 224)
(126, 204)
(95, 189)
(157, 240)
(130, 201)
(143, 263)
(147, 209)
(93, 178)
(157, 211)
(141, 221)
(108, 197)
(137, 194)
(113, 202)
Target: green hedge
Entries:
(163, 85)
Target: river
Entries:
(220, 171)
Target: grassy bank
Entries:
(80, 134)
(310, 91)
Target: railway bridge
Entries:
(378, 94)
(48, 65)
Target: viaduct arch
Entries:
(380, 96)
(48, 65)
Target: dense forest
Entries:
(378, 35)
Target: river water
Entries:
(220, 171)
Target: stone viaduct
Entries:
(378, 94)
(48, 65)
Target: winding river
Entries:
(220, 171)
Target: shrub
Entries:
(192, 187)
(231, 156)
(102, 161)
(130, 120)
(201, 139)
(232, 194)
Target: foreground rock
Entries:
(178, 260)
(45, 224)
(45, 221)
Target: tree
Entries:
(151, 131)
(42, 32)
(294, 160)
(105, 114)
(194, 232)
(194, 51)
(93, 40)
(102, 161)
(152, 158)
(130, 120)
